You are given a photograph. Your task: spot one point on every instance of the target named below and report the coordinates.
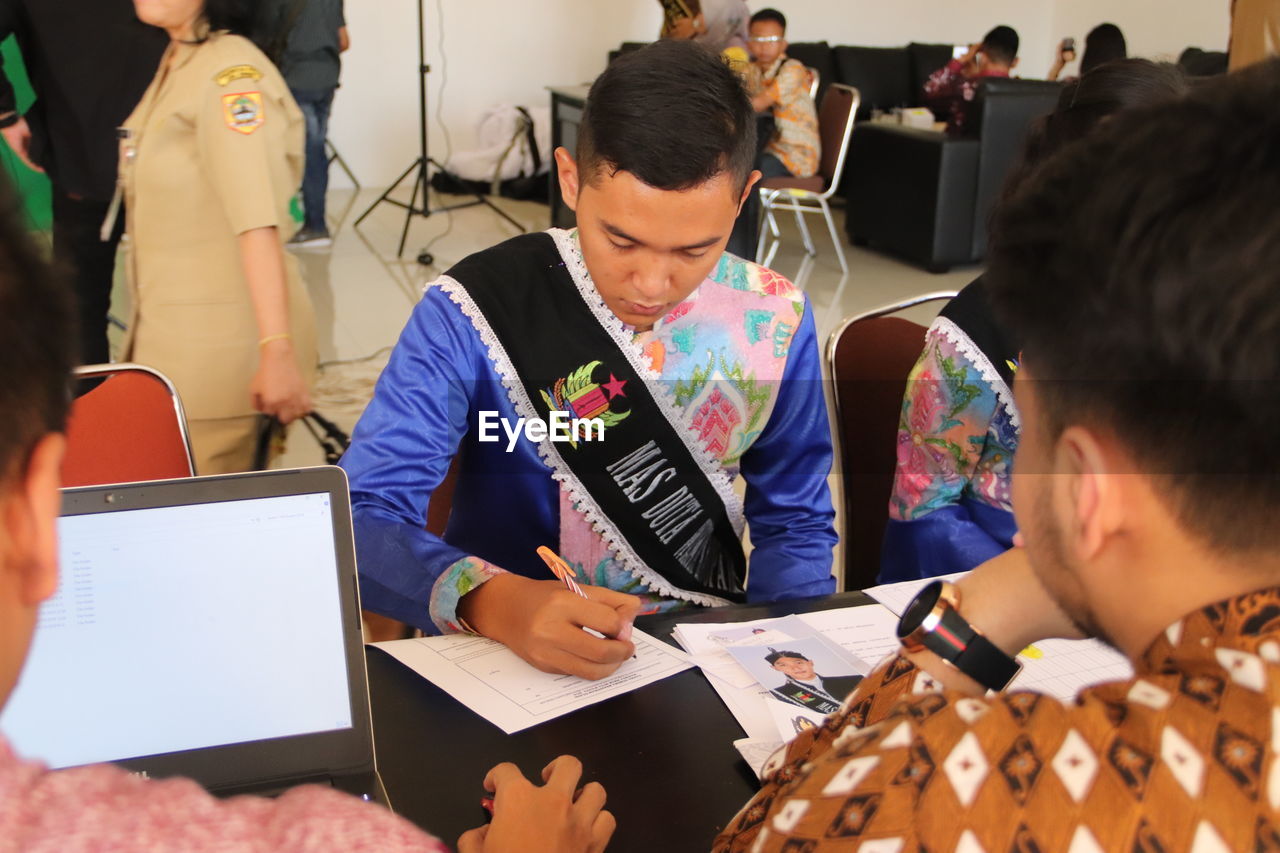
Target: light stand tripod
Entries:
(420, 166)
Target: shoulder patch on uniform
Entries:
(237, 72)
(243, 111)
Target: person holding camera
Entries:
(1105, 43)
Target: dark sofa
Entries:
(926, 197)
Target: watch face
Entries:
(919, 608)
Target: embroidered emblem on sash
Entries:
(591, 391)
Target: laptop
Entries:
(208, 628)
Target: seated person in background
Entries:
(97, 808)
(778, 86)
(951, 90)
(698, 366)
(1147, 489)
(1105, 43)
(950, 506)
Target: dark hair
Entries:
(1001, 45)
(770, 15)
(236, 16)
(672, 114)
(1105, 43)
(1145, 297)
(775, 655)
(1086, 101)
(37, 327)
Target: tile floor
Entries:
(363, 293)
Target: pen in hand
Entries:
(566, 575)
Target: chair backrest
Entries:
(1006, 109)
(815, 83)
(835, 126)
(130, 427)
(868, 360)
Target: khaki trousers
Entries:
(224, 445)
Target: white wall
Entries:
(499, 51)
(1152, 28)
(494, 51)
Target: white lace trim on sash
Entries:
(962, 342)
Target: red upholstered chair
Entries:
(868, 360)
(809, 195)
(130, 427)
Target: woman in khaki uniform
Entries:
(210, 160)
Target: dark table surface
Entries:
(664, 753)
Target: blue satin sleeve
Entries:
(401, 451)
(954, 538)
(788, 502)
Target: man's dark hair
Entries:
(770, 15)
(776, 655)
(37, 342)
(1139, 269)
(1001, 45)
(672, 114)
(1105, 43)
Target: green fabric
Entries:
(33, 187)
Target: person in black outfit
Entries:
(89, 62)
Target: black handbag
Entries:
(332, 440)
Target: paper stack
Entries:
(781, 676)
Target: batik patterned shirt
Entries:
(1183, 756)
(949, 91)
(797, 143)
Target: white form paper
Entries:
(868, 632)
(1059, 668)
(494, 682)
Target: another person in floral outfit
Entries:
(950, 508)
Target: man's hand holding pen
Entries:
(547, 624)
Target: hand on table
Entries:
(543, 623)
(278, 388)
(558, 817)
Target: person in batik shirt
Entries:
(1147, 486)
(950, 509)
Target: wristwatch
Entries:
(932, 621)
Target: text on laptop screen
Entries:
(182, 628)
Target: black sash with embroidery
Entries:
(641, 476)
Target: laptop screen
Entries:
(186, 627)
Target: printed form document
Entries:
(494, 682)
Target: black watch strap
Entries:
(954, 640)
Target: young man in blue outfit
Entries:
(691, 365)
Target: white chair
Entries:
(810, 195)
